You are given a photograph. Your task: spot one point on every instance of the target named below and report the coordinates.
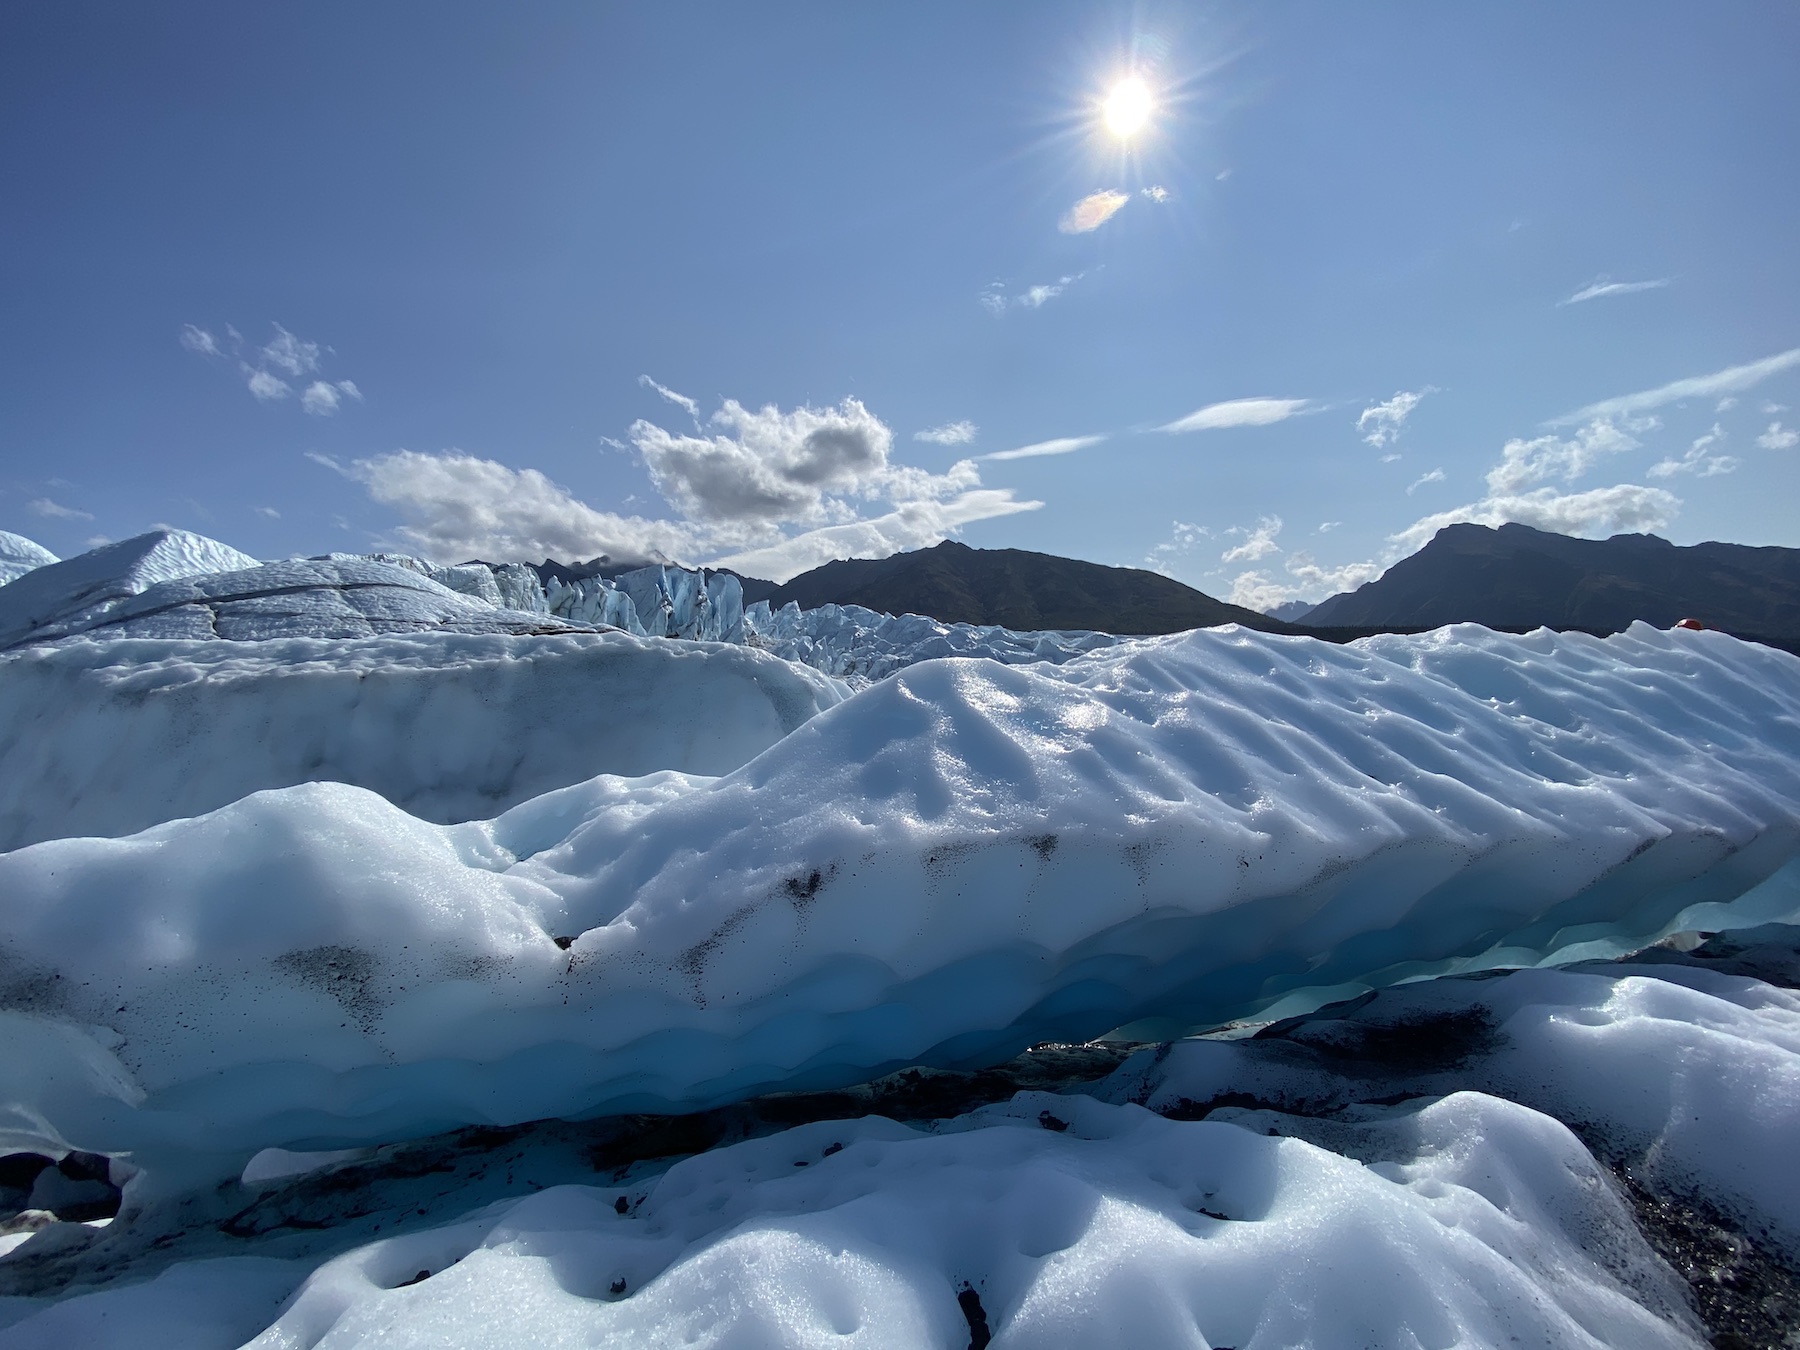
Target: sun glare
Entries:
(1127, 108)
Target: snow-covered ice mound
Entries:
(108, 738)
(19, 555)
(309, 597)
(84, 589)
(949, 866)
(862, 645)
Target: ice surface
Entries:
(861, 645)
(656, 601)
(963, 860)
(338, 598)
(1690, 1076)
(85, 589)
(18, 555)
(107, 738)
(1051, 1221)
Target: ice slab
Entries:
(961, 861)
(82, 590)
(108, 738)
(19, 555)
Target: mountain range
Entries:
(1013, 588)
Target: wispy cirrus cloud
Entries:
(1062, 445)
(267, 370)
(996, 300)
(950, 433)
(1380, 423)
(682, 401)
(1092, 211)
(1602, 287)
(52, 510)
(1424, 479)
(1702, 459)
(1731, 380)
(1240, 412)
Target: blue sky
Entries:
(501, 281)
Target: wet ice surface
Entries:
(728, 978)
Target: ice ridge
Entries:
(958, 862)
(19, 555)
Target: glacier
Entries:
(109, 738)
(19, 555)
(949, 866)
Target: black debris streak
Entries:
(970, 1303)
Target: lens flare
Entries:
(1127, 108)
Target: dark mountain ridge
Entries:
(1519, 577)
(1014, 588)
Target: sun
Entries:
(1126, 110)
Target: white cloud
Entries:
(50, 510)
(1770, 407)
(1240, 412)
(915, 524)
(1092, 211)
(1725, 404)
(1778, 438)
(266, 387)
(1183, 539)
(996, 301)
(1523, 462)
(1391, 456)
(1625, 507)
(1700, 459)
(288, 353)
(1155, 192)
(1326, 527)
(456, 506)
(1062, 445)
(1259, 542)
(1435, 476)
(1380, 423)
(199, 340)
(1732, 380)
(1600, 287)
(951, 433)
(1319, 582)
(322, 398)
(1257, 591)
(268, 511)
(679, 400)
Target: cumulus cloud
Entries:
(1623, 508)
(266, 388)
(1731, 380)
(737, 491)
(322, 398)
(1302, 579)
(50, 510)
(1062, 445)
(1155, 192)
(1240, 412)
(1380, 423)
(456, 506)
(679, 400)
(1258, 541)
(1524, 462)
(198, 340)
(1092, 211)
(1778, 437)
(1435, 476)
(295, 356)
(1602, 287)
(951, 433)
(1701, 460)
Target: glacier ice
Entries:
(19, 555)
(960, 861)
(861, 645)
(108, 738)
(656, 601)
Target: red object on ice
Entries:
(1694, 624)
